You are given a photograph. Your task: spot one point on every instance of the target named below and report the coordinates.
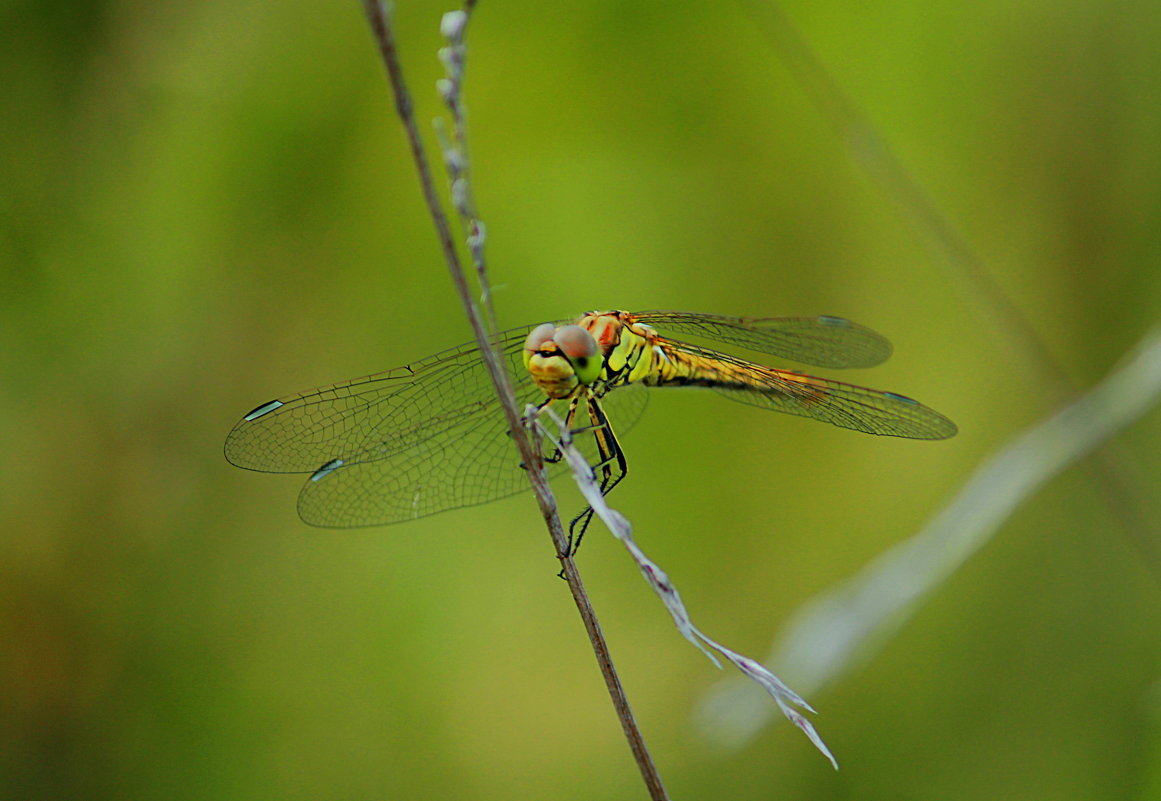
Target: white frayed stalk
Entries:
(786, 698)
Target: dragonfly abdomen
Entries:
(677, 368)
(673, 367)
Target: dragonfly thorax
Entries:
(626, 345)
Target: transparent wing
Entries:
(371, 417)
(472, 463)
(845, 405)
(822, 341)
(412, 441)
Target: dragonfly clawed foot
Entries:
(577, 528)
(548, 458)
(574, 536)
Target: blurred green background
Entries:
(208, 205)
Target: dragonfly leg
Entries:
(556, 456)
(612, 467)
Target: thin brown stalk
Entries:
(379, 18)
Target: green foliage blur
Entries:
(208, 205)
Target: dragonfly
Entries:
(430, 436)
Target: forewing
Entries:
(371, 417)
(832, 342)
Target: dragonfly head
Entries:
(561, 359)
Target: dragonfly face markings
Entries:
(427, 437)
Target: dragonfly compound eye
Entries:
(540, 334)
(581, 349)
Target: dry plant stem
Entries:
(379, 19)
(612, 682)
(1114, 470)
